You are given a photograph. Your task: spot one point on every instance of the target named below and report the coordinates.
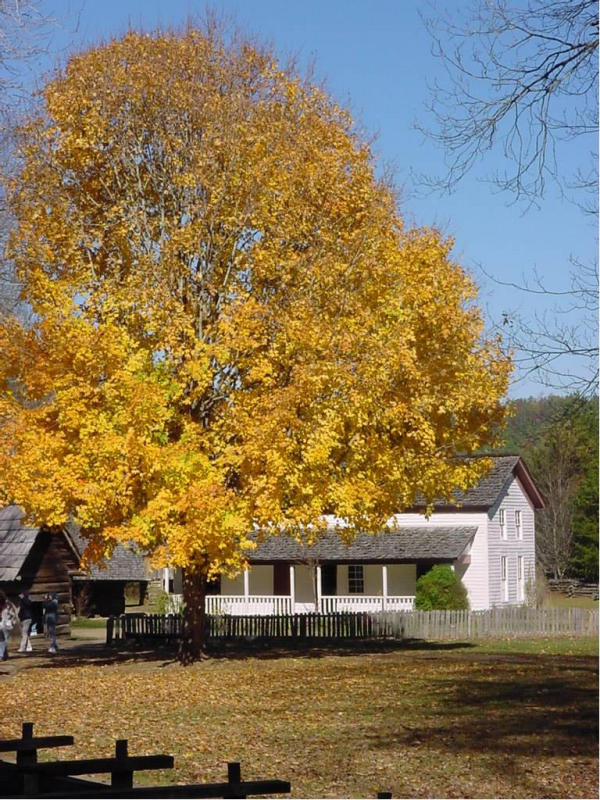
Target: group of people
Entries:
(11, 617)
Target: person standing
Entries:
(26, 617)
(50, 619)
(7, 623)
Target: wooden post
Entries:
(31, 783)
(246, 585)
(121, 779)
(27, 756)
(234, 779)
(319, 590)
(292, 588)
(384, 586)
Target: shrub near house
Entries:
(441, 588)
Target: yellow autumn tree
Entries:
(231, 330)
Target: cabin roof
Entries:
(16, 542)
(123, 565)
(409, 544)
(485, 494)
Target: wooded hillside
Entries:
(558, 437)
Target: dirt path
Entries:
(84, 642)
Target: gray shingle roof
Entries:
(15, 542)
(123, 565)
(485, 494)
(418, 543)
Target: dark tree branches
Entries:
(521, 76)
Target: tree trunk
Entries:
(195, 631)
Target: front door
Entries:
(281, 579)
(329, 580)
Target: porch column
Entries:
(246, 583)
(319, 589)
(292, 588)
(166, 576)
(384, 585)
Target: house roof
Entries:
(486, 493)
(15, 542)
(418, 543)
(123, 565)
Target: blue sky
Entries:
(375, 58)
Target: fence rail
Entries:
(574, 588)
(26, 777)
(517, 622)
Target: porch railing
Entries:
(359, 602)
(267, 605)
(261, 605)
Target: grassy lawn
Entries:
(500, 719)
(88, 622)
(558, 600)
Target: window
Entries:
(504, 577)
(356, 580)
(518, 528)
(502, 521)
(520, 579)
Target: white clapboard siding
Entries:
(474, 575)
(513, 498)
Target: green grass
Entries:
(566, 646)
(558, 600)
(502, 718)
(88, 622)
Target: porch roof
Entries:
(405, 545)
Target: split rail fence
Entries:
(28, 777)
(517, 622)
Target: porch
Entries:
(284, 588)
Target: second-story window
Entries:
(502, 521)
(518, 526)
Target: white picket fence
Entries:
(508, 622)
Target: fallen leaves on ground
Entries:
(453, 725)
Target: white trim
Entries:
(319, 587)
(502, 523)
(518, 524)
(504, 577)
(292, 584)
(520, 578)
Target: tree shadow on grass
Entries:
(273, 649)
(96, 655)
(100, 654)
(545, 707)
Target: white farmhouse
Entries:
(487, 534)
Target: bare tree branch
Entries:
(25, 31)
(520, 76)
(558, 347)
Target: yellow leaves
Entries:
(233, 328)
